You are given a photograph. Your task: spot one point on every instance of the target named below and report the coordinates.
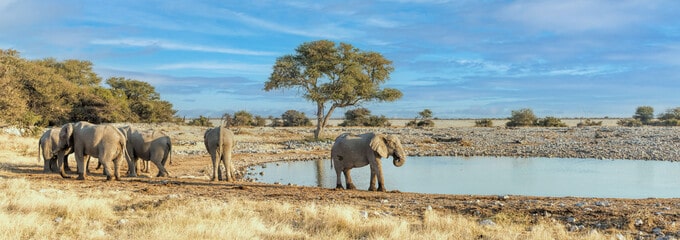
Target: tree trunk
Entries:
(322, 120)
(319, 120)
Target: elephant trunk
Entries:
(398, 162)
(399, 158)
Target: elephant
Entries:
(154, 146)
(219, 142)
(104, 142)
(353, 151)
(47, 148)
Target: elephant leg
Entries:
(157, 159)
(107, 172)
(60, 164)
(348, 179)
(146, 167)
(132, 167)
(229, 167)
(376, 174)
(116, 166)
(80, 164)
(215, 166)
(338, 178)
(47, 165)
(66, 167)
(87, 165)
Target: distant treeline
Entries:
(48, 92)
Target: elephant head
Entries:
(388, 145)
(65, 137)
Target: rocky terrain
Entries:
(633, 218)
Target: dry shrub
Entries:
(465, 143)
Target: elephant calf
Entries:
(154, 147)
(47, 148)
(352, 151)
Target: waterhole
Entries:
(557, 177)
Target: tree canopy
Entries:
(50, 92)
(333, 76)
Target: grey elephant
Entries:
(219, 142)
(104, 142)
(47, 149)
(353, 151)
(153, 146)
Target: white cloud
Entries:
(238, 67)
(134, 42)
(382, 23)
(577, 15)
(328, 30)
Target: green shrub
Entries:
(201, 121)
(425, 117)
(363, 117)
(293, 118)
(644, 113)
(259, 121)
(551, 122)
(521, 118)
(589, 122)
(484, 123)
(629, 122)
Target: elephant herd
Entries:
(111, 145)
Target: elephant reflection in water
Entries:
(353, 151)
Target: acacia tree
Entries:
(333, 76)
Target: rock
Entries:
(638, 222)
(58, 219)
(657, 231)
(571, 219)
(620, 237)
(122, 221)
(487, 222)
(602, 204)
(364, 214)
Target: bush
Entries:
(629, 123)
(521, 118)
(363, 117)
(242, 118)
(589, 122)
(201, 121)
(293, 118)
(670, 122)
(551, 122)
(375, 121)
(484, 123)
(259, 121)
(644, 114)
(425, 117)
(426, 123)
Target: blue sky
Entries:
(461, 59)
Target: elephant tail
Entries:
(39, 149)
(170, 152)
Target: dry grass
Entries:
(50, 214)
(34, 210)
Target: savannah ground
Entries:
(188, 206)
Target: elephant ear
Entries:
(66, 135)
(378, 145)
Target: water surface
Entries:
(556, 177)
